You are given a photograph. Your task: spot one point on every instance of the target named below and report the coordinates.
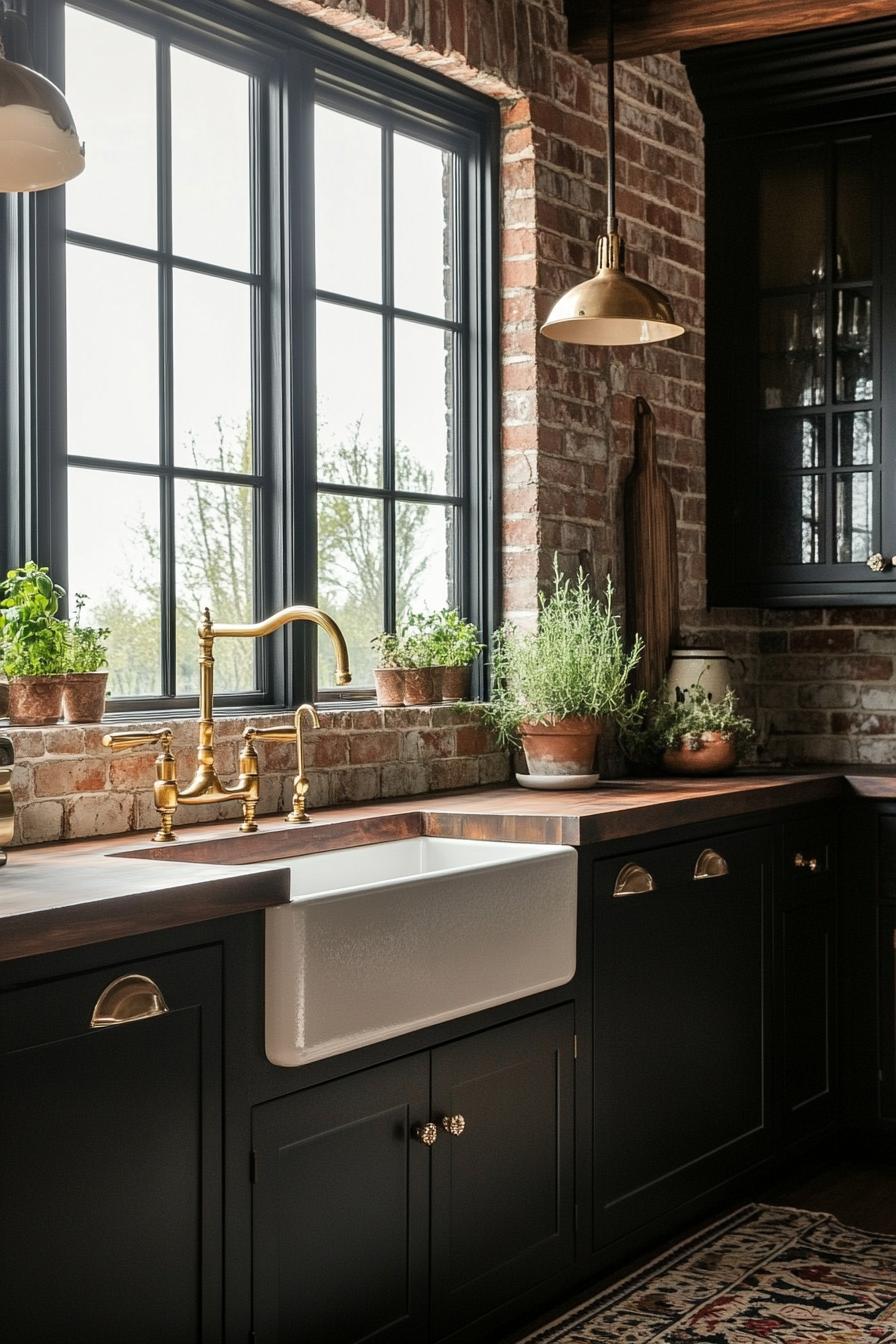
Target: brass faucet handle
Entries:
(124, 741)
(252, 734)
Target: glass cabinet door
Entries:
(817, 489)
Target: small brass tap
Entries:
(300, 785)
(205, 786)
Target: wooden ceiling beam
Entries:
(644, 27)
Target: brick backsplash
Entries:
(67, 785)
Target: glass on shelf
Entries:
(792, 218)
(792, 442)
(792, 351)
(854, 439)
(854, 516)
(853, 371)
(792, 520)
(852, 166)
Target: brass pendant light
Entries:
(39, 145)
(611, 308)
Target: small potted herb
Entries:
(33, 645)
(555, 686)
(422, 676)
(388, 675)
(84, 696)
(692, 735)
(455, 647)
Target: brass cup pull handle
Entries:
(633, 880)
(800, 861)
(454, 1125)
(426, 1134)
(710, 864)
(130, 998)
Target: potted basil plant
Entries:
(555, 687)
(87, 672)
(693, 735)
(33, 645)
(388, 675)
(455, 647)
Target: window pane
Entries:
(854, 231)
(791, 218)
(110, 80)
(113, 557)
(350, 581)
(216, 569)
(854, 515)
(210, 193)
(424, 227)
(212, 373)
(424, 408)
(791, 348)
(854, 439)
(790, 442)
(792, 513)
(424, 557)
(348, 205)
(854, 379)
(349, 396)
(112, 356)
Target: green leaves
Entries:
(34, 641)
(682, 724)
(573, 663)
(436, 639)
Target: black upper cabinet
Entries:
(801, 318)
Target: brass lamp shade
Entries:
(612, 308)
(39, 145)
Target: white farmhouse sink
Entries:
(388, 938)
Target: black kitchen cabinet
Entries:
(503, 1197)
(682, 1048)
(350, 1245)
(806, 934)
(887, 1009)
(110, 1155)
(801, 322)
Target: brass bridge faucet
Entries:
(205, 786)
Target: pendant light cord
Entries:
(612, 222)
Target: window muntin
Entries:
(161, 351)
(390, 328)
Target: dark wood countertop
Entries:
(77, 893)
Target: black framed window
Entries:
(272, 379)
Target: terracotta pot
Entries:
(713, 756)
(4, 699)
(419, 688)
(389, 685)
(34, 701)
(438, 682)
(84, 697)
(566, 747)
(455, 683)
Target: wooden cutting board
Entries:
(651, 555)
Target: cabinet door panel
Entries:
(340, 1211)
(887, 918)
(503, 1199)
(680, 1049)
(110, 1161)
(807, 939)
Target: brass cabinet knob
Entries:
(454, 1124)
(878, 563)
(426, 1134)
(799, 861)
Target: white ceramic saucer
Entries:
(558, 781)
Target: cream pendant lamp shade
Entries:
(611, 308)
(39, 145)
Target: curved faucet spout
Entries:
(284, 617)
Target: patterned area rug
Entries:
(762, 1275)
